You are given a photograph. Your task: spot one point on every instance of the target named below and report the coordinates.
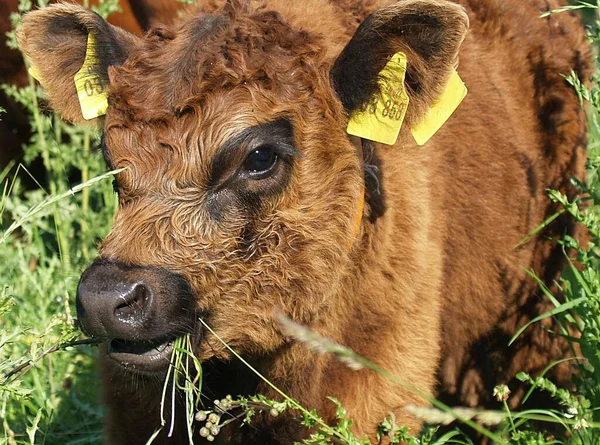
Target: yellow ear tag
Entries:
(91, 87)
(381, 118)
(439, 113)
(33, 73)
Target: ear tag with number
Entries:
(380, 119)
(91, 87)
(441, 111)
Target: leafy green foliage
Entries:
(48, 389)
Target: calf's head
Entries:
(240, 188)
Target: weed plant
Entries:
(48, 382)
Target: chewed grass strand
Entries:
(184, 374)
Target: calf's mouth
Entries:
(140, 311)
(146, 356)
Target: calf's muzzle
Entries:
(127, 302)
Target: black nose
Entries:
(131, 302)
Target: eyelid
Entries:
(280, 148)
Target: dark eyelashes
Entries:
(285, 150)
(283, 147)
(277, 135)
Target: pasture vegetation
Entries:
(49, 388)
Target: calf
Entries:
(242, 196)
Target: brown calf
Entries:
(242, 187)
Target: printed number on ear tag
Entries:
(91, 86)
(381, 118)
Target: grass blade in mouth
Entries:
(184, 374)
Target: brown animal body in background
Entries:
(242, 187)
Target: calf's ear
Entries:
(428, 32)
(55, 39)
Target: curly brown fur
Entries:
(433, 282)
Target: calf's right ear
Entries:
(55, 39)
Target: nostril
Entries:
(132, 306)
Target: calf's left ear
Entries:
(428, 32)
(56, 40)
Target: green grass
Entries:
(49, 236)
(48, 380)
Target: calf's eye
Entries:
(260, 161)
